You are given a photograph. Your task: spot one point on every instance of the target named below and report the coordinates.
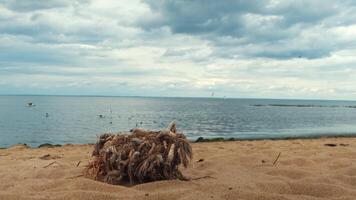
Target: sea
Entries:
(80, 119)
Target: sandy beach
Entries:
(305, 169)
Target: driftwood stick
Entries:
(49, 164)
(203, 177)
(73, 177)
(79, 163)
(275, 161)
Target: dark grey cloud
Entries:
(304, 11)
(228, 17)
(201, 17)
(33, 5)
(310, 54)
(250, 22)
(40, 29)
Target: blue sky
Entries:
(236, 48)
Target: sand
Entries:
(306, 169)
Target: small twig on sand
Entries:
(79, 163)
(203, 177)
(73, 177)
(275, 161)
(50, 164)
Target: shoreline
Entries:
(204, 140)
(222, 139)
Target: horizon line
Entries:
(192, 97)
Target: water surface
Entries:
(76, 119)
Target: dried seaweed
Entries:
(139, 156)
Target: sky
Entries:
(295, 49)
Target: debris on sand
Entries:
(48, 145)
(54, 162)
(49, 157)
(139, 156)
(334, 145)
(330, 145)
(217, 139)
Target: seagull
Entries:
(30, 104)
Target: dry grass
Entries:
(139, 156)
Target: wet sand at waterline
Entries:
(266, 170)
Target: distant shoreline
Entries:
(303, 106)
(179, 97)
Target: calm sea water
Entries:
(76, 119)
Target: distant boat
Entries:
(101, 116)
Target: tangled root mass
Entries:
(139, 156)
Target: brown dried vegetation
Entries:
(139, 156)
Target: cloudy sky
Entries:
(235, 48)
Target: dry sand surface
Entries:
(306, 169)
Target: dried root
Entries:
(140, 156)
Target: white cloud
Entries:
(267, 49)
